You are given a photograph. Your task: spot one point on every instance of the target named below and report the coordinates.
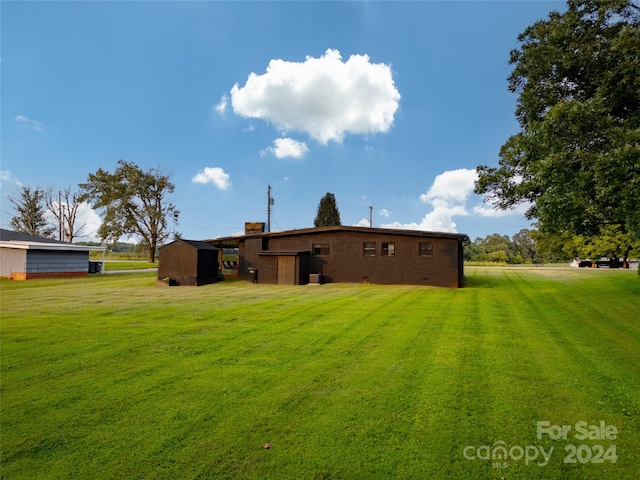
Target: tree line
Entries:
(536, 247)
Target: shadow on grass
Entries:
(475, 281)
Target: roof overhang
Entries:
(236, 240)
(283, 253)
(49, 246)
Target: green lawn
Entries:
(112, 377)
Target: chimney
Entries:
(251, 228)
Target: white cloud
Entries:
(88, 217)
(37, 126)
(384, 213)
(215, 176)
(324, 97)
(451, 188)
(485, 210)
(7, 176)
(364, 222)
(86, 223)
(287, 147)
(221, 106)
(449, 196)
(438, 220)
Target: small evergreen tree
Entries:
(30, 212)
(328, 214)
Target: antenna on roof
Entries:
(269, 203)
(370, 216)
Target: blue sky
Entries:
(388, 104)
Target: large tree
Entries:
(134, 203)
(576, 160)
(525, 244)
(328, 214)
(29, 214)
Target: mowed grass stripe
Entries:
(346, 381)
(562, 368)
(381, 444)
(342, 402)
(593, 339)
(452, 392)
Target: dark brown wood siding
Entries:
(283, 268)
(248, 255)
(185, 264)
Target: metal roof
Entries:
(11, 236)
(24, 241)
(193, 243)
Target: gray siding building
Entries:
(24, 257)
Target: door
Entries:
(286, 270)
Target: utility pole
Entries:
(370, 216)
(269, 203)
(60, 223)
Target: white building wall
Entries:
(12, 260)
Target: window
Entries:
(321, 249)
(425, 249)
(388, 249)
(369, 249)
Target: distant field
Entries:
(517, 265)
(124, 256)
(112, 377)
(128, 265)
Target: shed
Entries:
(188, 262)
(25, 257)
